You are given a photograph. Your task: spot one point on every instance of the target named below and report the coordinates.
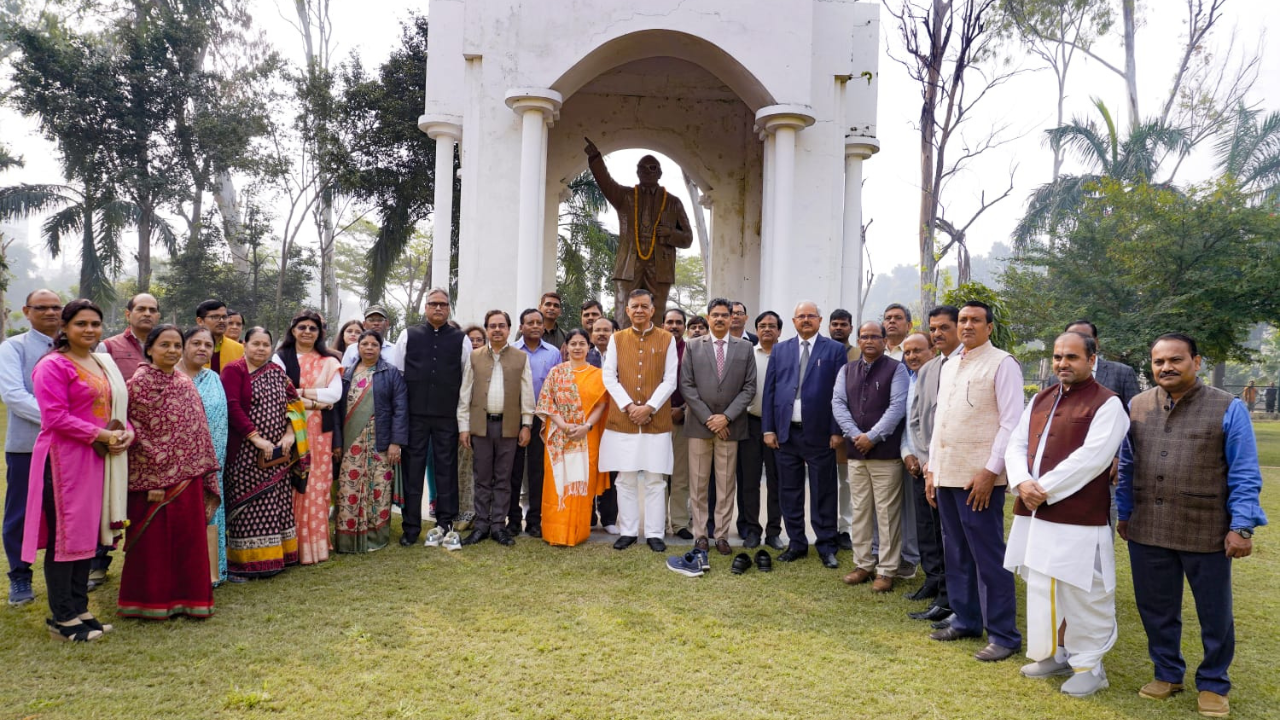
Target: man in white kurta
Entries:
(1059, 460)
(637, 437)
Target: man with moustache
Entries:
(591, 311)
(754, 457)
(840, 327)
(944, 332)
(798, 424)
(679, 512)
(1059, 464)
(212, 316)
(979, 403)
(18, 357)
(640, 370)
(601, 329)
(551, 306)
(738, 323)
(897, 323)
(140, 314)
(375, 318)
(529, 456)
(1188, 504)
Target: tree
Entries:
(1002, 334)
(586, 251)
(409, 280)
(1132, 159)
(947, 43)
(1144, 260)
(1250, 153)
(690, 286)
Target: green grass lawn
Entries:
(587, 632)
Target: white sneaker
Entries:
(1046, 668)
(1085, 683)
(611, 529)
(452, 541)
(435, 536)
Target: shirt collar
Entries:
(40, 335)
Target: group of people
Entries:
(216, 456)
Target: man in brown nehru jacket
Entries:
(1059, 463)
(1188, 504)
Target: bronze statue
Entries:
(651, 225)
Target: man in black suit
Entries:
(738, 323)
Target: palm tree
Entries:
(586, 249)
(1251, 154)
(97, 219)
(1133, 160)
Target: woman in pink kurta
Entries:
(73, 387)
(317, 373)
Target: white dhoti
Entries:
(1070, 575)
(643, 461)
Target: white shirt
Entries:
(795, 406)
(496, 393)
(756, 408)
(330, 394)
(1061, 551)
(638, 451)
(395, 357)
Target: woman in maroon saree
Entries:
(173, 490)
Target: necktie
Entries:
(720, 359)
(804, 364)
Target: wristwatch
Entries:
(1246, 533)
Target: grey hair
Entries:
(816, 309)
(441, 291)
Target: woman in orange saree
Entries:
(572, 406)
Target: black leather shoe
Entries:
(775, 542)
(476, 536)
(994, 653)
(513, 528)
(741, 564)
(684, 534)
(844, 541)
(950, 634)
(829, 560)
(764, 563)
(751, 541)
(624, 542)
(408, 540)
(933, 612)
(502, 537)
(656, 545)
(534, 531)
(790, 555)
(942, 624)
(927, 591)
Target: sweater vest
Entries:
(968, 418)
(642, 360)
(433, 370)
(1091, 504)
(869, 389)
(1179, 470)
(513, 362)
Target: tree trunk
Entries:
(1219, 374)
(224, 197)
(328, 246)
(145, 219)
(928, 131)
(1130, 61)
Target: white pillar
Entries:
(536, 108)
(783, 121)
(446, 133)
(856, 149)
(768, 273)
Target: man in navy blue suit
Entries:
(797, 423)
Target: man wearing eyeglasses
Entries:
(738, 323)
(18, 357)
(212, 315)
(432, 355)
(979, 404)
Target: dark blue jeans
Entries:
(981, 591)
(17, 477)
(1157, 589)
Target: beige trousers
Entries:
(875, 487)
(704, 457)
(678, 493)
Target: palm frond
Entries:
(67, 221)
(18, 201)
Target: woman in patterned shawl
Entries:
(572, 403)
(261, 535)
(197, 348)
(173, 490)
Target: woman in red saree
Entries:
(572, 404)
(173, 490)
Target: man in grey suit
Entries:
(944, 330)
(1116, 377)
(718, 381)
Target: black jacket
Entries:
(390, 406)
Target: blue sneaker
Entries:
(20, 592)
(701, 557)
(687, 565)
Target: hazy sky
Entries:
(891, 196)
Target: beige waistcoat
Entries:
(967, 418)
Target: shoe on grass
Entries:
(687, 565)
(1211, 704)
(1085, 683)
(464, 521)
(20, 592)
(1160, 690)
(451, 541)
(1047, 668)
(435, 536)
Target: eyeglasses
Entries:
(215, 318)
(45, 308)
(307, 328)
(870, 337)
(808, 317)
(739, 313)
(438, 305)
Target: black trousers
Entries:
(929, 538)
(755, 457)
(17, 470)
(794, 457)
(606, 509)
(532, 455)
(66, 582)
(438, 436)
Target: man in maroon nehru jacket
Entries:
(1059, 463)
